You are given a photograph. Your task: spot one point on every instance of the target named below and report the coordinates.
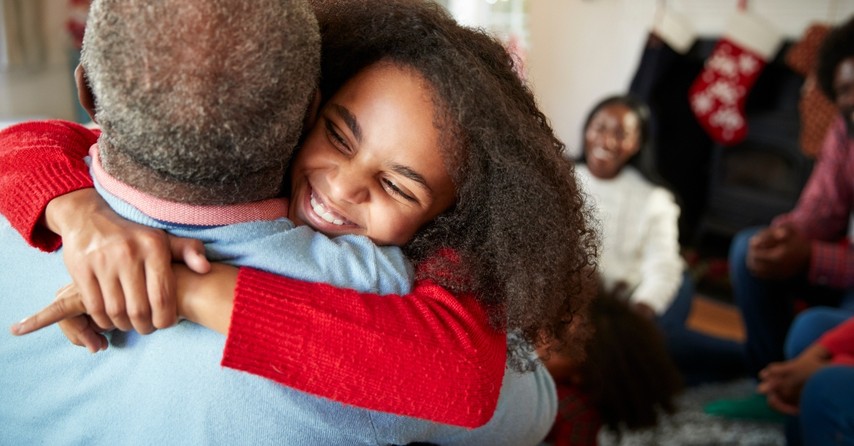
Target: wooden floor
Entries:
(716, 318)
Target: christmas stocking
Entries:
(718, 94)
(669, 39)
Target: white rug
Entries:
(691, 427)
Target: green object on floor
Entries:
(754, 407)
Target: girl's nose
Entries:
(348, 184)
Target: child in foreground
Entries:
(625, 381)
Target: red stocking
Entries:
(718, 94)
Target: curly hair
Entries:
(519, 226)
(203, 102)
(628, 371)
(837, 46)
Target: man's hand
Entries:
(778, 253)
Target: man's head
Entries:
(201, 101)
(836, 69)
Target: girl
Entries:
(516, 233)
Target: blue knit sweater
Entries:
(168, 387)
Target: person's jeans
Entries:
(827, 399)
(768, 306)
(701, 358)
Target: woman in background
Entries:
(638, 217)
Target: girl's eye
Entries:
(336, 138)
(393, 189)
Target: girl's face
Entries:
(610, 140)
(372, 164)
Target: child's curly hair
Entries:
(628, 372)
(520, 227)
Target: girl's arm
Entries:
(429, 354)
(43, 161)
(40, 161)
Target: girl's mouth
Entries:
(325, 213)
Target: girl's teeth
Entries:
(324, 214)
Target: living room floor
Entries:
(714, 313)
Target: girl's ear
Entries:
(84, 93)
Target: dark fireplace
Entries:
(725, 189)
(752, 182)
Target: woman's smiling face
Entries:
(372, 164)
(611, 138)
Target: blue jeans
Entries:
(827, 399)
(701, 358)
(768, 306)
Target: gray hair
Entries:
(207, 96)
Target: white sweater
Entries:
(638, 224)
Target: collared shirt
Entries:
(823, 213)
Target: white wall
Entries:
(582, 50)
(46, 91)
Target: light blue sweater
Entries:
(168, 387)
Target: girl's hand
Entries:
(70, 313)
(122, 269)
(207, 299)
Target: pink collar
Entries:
(183, 213)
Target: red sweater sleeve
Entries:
(840, 342)
(41, 161)
(429, 354)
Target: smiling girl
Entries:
(464, 172)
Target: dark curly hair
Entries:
(627, 378)
(628, 372)
(837, 46)
(519, 227)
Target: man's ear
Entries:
(84, 93)
(311, 112)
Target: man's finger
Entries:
(60, 309)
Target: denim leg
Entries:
(827, 407)
(810, 324)
(765, 306)
(701, 358)
(847, 301)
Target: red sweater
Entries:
(840, 342)
(431, 355)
